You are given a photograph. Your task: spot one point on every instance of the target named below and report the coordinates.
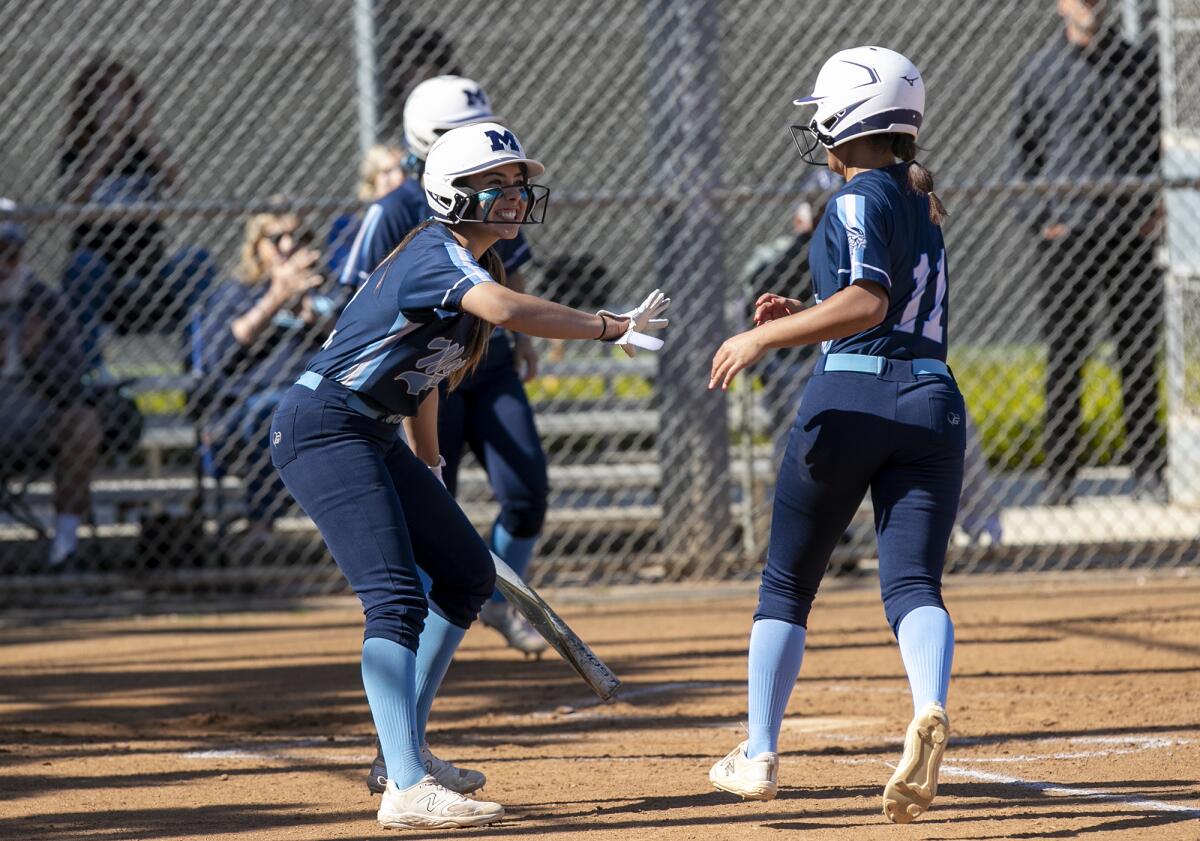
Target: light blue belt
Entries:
(310, 379)
(865, 364)
(314, 381)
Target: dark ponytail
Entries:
(482, 334)
(920, 179)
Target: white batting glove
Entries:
(642, 318)
(436, 469)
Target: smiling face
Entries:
(504, 200)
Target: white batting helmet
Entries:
(468, 150)
(862, 91)
(439, 104)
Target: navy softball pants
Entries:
(901, 437)
(382, 514)
(490, 413)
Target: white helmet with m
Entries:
(469, 150)
(439, 104)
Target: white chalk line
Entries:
(1141, 744)
(1070, 791)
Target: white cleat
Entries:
(460, 780)
(752, 779)
(914, 785)
(428, 805)
(516, 630)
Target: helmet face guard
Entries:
(478, 206)
(812, 143)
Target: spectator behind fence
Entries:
(119, 272)
(782, 264)
(381, 171)
(44, 420)
(1089, 110)
(408, 56)
(256, 335)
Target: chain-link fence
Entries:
(162, 156)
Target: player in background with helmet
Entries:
(882, 412)
(423, 316)
(490, 411)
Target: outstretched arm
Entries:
(858, 307)
(535, 316)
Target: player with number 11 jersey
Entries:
(875, 228)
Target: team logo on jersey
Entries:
(856, 238)
(277, 438)
(954, 418)
(500, 141)
(476, 98)
(447, 358)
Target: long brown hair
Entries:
(482, 334)
(920, 179)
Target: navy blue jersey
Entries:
(877, 229)
(388, 220)
(404, 331)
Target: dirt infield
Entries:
(1075, 710)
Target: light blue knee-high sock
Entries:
(389, 676)
(438, 643)
(776, 649)
(517, 552)
(926, 637)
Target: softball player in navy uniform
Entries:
(882, 413)
(489, 411)
(423, 316)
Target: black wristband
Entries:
(603, 326)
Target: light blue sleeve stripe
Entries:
(852, 213)
(472, 271)
(352, 275)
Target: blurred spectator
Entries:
(1089, 110)
(44, 419)
(256, 335)
(119, 272)
(781, 266)
(381, 171)
(408, 56)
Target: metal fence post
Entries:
(693, 439)
(365, 74)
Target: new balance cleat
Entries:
(377, 777)
(914, 785)
(461, 780)
(516, 630)
(752, 779)
(428, 805)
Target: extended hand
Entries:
(770, 306)
(641, 320)
(738, 352)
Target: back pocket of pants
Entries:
(283, 438)
(947, 419)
